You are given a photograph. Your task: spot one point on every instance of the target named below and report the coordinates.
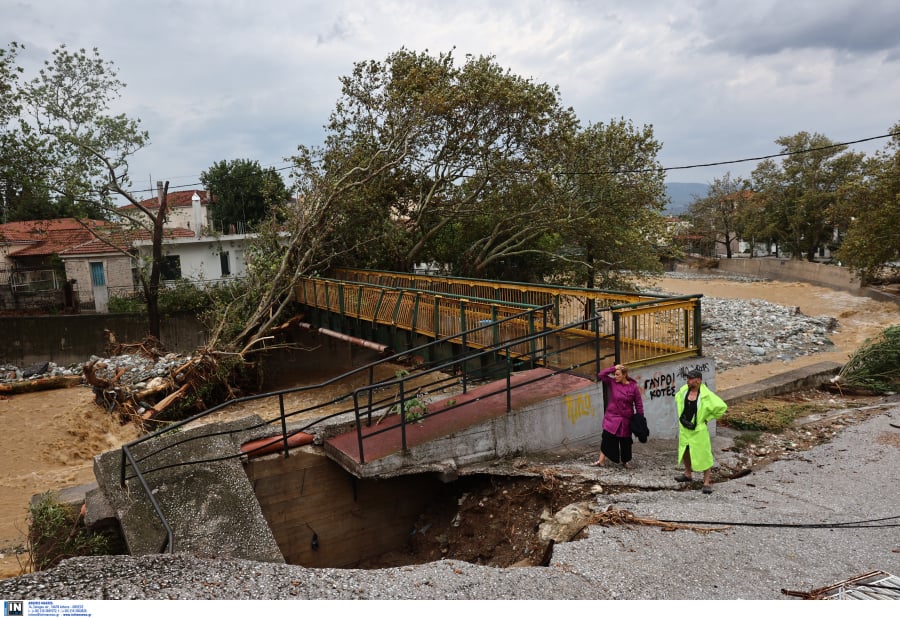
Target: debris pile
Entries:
(139, 383)
(140, 387)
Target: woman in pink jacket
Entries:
(624, 402)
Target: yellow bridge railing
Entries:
(638, 328)
(433, 315)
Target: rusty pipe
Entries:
(354, 340)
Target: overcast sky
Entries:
(718, 80)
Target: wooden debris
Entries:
(165, 402)
(150, 347)
(39, 384)
(174, 396)
(622, 517)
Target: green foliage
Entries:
(183, 296)
(425, 145)
(876, 365)
(84, 146)
(871, 208)
(610, 222)
(718, 215)
(23, 173)
(802, 194)
(56, 532)
(414, 410)
(241, 191)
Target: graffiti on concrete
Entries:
(578, 406)
(666, 384)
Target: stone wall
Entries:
(30, 301)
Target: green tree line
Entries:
(817, 195)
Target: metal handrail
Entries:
(541, 358)
(128, 455)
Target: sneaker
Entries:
(707, 489)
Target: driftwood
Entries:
(39, 384)
(163, 398)
(293, 321)
(150, 347)
(165, 402)
(155, 387)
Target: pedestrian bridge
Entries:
(494, 368)
(591, 327)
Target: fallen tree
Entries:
(39, 384)
(875, 366)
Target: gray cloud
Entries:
(755, 28)
(717, 80)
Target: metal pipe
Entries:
(354, 340)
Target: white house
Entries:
(200, 259)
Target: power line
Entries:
(637, 170)
(863, 523)
(784, 154)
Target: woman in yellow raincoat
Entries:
(696, 405)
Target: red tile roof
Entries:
(49, 236)
(175, 199)
(68, 237)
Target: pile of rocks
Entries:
(138, 369)
(738, 332)
(748, 332)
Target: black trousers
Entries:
(616, 449)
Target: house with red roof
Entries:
(83, 257)
(98, 259)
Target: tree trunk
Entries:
(152, 290)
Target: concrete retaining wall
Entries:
(321, 516)
(74, 338)
(789, 270)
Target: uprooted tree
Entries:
(470, 166)
(875, 366)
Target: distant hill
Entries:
(682, 194)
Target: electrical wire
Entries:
(863, 523)
(635, 170)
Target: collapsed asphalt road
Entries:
(795, 525)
